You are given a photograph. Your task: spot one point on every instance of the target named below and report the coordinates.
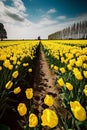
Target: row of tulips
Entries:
(16, 77)
(82, 43)
(70, 66)
(16, 89)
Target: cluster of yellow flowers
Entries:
(77, 74)
(69, 62)
(13, 55)
(73, 58)
(49, 117)
(12, 62)
(16, 59)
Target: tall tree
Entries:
(3, 33)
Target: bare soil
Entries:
(44, 83)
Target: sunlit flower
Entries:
(62, 60)
(77, 74)
(25, 64)
(29, 93)
(62, 70)
(48, 100)
(85, 74)
(69, 86)
(30, 70)
(22, 109)
(18, 62)
(9, 84)
(78, 111)
(72, 62)
(33, 120)
(6, 63)
(85, 90)
(49, 118)
(85, 66)
(15, 74)
(69, 67)
(60, 82)
(79, 63)
(17, 90)
(51, 66)
(0, 68)
(3, 57)
(56, 68)
(10, 67)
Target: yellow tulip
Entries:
(30, 70)
(85, 66)
(10, 67)
(29, 93)
(9, 84)
(51, 66)
(69, 86)
(69, 67)
(85, 74)
(18, 62)
(48, 100)
(25, 64)
(33, 120)
(49, 118)
(22, 109)
(77, 74)
(6, 63)
(60, 82)
(78, 111)
(85, 90)
(79, 63)
(55, 68)
(15, 74)
(62, 70)
(0, 68)
(17, 90)
(72, 62)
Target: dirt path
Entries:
(43, 84)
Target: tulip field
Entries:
(68, 60)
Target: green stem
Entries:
(60, 127)
(25, 120)
(61, 121)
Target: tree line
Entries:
(3, 33)
(76, 31)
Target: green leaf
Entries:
(4, 127)
(62, 123)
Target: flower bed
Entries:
(69, 63)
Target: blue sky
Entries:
(28, 19)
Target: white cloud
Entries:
(19, 27)
(46, 22)
(14, 20)
(28, 30)
(51, 11)
(19, 5)
(1, 7)
(61, 17)
(13, 14)
(46, 19)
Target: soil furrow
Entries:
(43, 84)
